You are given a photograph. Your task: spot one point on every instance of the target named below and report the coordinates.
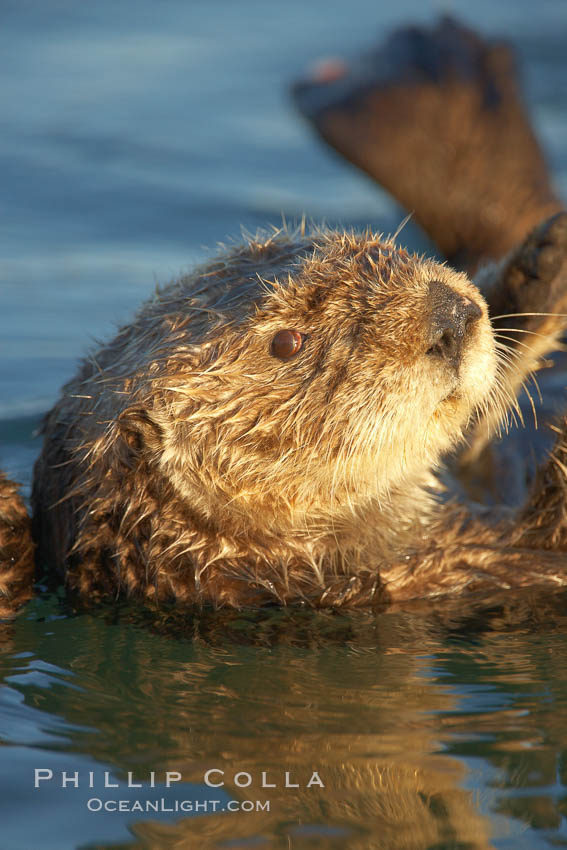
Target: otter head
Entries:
(307, 378)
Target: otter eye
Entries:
(286, 343)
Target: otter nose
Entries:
(452, 316)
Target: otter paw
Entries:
(535, 279)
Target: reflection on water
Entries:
(423, 738)
(133, 136)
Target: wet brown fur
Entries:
(16, 549)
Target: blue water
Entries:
(134, 137)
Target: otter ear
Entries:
(139, 431)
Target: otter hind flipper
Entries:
(436, 116)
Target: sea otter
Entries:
(269, 428)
